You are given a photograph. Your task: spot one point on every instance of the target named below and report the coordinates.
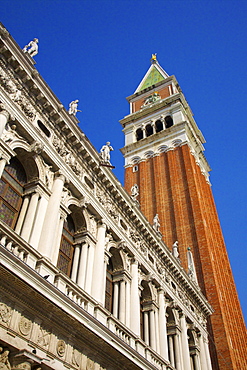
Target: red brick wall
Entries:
(173, 186)
(164, 93)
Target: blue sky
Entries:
(98, 51)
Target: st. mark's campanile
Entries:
(164, 157)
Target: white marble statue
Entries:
(105, 152)
(10, 134)
(175, 252)
(156, 223)
(134, 191)
(73, 107)
(31, 48)
(4, 359)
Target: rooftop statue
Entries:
(134, 191)
(105, 152)
(73, 107)
(4, 359)
(175, 252)
(156, 223)
(31, 48)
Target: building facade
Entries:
(86, 281)
(164, 158)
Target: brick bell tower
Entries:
(164, 157)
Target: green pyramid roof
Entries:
(155, 74)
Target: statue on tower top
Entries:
(154, 58)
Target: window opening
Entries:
(66, 250)
(149, 130)
(43, 128)
(158, 126)
(168, 121)
(139, 134)
(11, 192)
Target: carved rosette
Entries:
(25, 326)
(61, 347)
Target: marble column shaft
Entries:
(48, 234)
(98, 267)
(162, 325)
(184, 342)
(30, 215)
(4, 117)
(135, 300)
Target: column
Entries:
(3, 163)
(75, 264)
(162, 325)
(127, 304)
(177, 351)
(89, 269)
(146, 327)
(58, 236)
(184, 342)
(4, 117)
(202, 352)
(81, 276)
(135, 300)
(22, 214)
(157, 335)
(50, 223)
(152, 330)
(122, 302)
(171, 350)
(115, 298)
(6, 153)
(196, 361)
(208, 359)
(98, 266)
(38, 222)
(30, 215)
(106, 260)
(143, 130)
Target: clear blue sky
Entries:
(97, 51)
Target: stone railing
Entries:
(12, 244)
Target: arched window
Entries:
(193, 350)
(171, 336)
(149, 130)
(168, 121)
(109, 287)
(139, 134)
(66, 250)
(145, 307)
(158, 126)
(11, 191)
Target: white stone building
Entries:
(86, 281)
